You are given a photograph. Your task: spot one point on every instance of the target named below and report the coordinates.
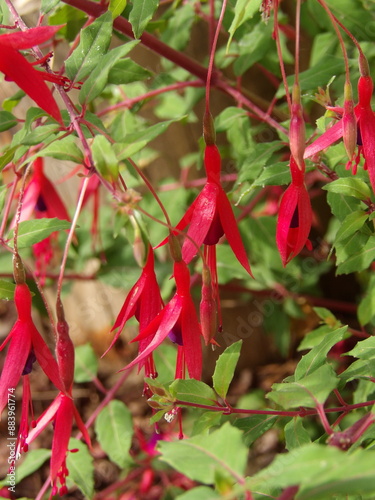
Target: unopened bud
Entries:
(18, 270)
(349, 122)
(297, 134)
(363, 65)
(209, 134)
(175, 248)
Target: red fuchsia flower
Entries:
(211, 216)
(17, 69)
(41, 200)
(178, 320)
(25, 346)
(365, 130)
(61, 412)
(144, 302)
(295, 216)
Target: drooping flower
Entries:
(210, 216)
(17, 69)
(365, 131)
(295, 216)
(144, 302)
(41, 200)
(62, 412)
(25, 345)
(177, 319)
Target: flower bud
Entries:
(209, 134)
(349, 122)
(297, 128)
(208, 309)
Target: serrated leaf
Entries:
(7, 157)
(35, 230)
(317, 356)
(7, 120)
(98, 79)
(81, 467)
(86, 364)
(47, 5)
(349, 186)
(94, 43)
(203, 457)
(365, 349)
(7, 289)
(360, 369)
(116, 7)
(308, 390)
(225, 367)
(243, 11)
(295, 434)
(114, 429)
(274, 175)
(193, 391)
(140, 15)
(255, 426)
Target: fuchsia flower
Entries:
(178, 319)
(211, 216)
(295, 216)
(42, 200)
(62, 412)
(25, 346)
(17, 69)
(365, 131)
(144, 302)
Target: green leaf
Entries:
(318, 355)
(349, 186)
(61, 149)
(193, 391)
(225, 367)
(127, 71)
(321, 472)
(114, 429)
(104, 158)
(7, 289)
(313, 388)
(359, 260)
(34, 459)
(39, 134)
(295, 434)
(352, 223)
(35, 230)
(7, 120)
(342, 206)
(94, 43)
(202, 458)
(365, 349)
(116, 7)
(47, 5)
(98, 79)
(7, 157)
(255, 426)
(86, 364)
(243, 11)
(366, 308)
(360, 369)
(81, 468)
(274, 175)
(138, 140)
(140, 15)
(201, 492)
